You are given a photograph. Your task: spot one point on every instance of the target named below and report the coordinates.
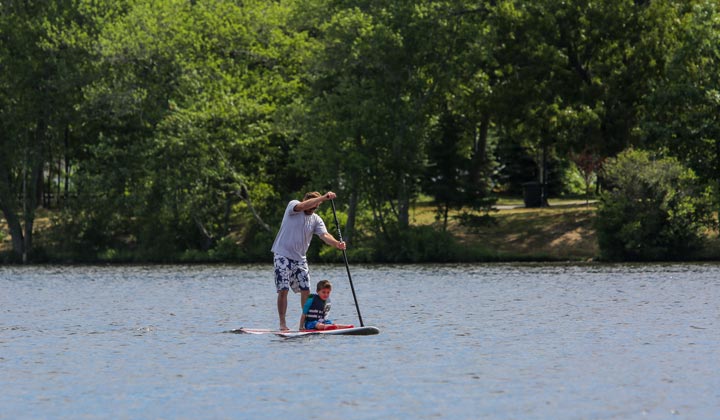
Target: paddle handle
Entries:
(347, 266)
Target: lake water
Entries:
(461, 342)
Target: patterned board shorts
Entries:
(291, 274)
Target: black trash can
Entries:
(532, 194)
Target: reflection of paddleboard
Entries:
(289, 334)
(253, 331)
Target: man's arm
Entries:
(330, 240)
(314, 202)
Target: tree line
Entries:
(157, 127)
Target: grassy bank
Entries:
(561, 232)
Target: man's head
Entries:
(309, 196)
(323, 289)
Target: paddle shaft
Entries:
(347, 266)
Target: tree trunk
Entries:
(543, 176)
(403, 204)
(445, 216)
(479, 155)
(16, 233)
(59, 182)
(41, 189)
(208, 239)
(67, 164)
(32, 184)
(353, 200)
(717, 170)
(377, 211)
(243, 194)
(7, 198)
(477, 185)
(352, 214)
(226, 216)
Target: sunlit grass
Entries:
(562, 231)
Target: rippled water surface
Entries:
(465, 342)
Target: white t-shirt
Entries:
(296, 231)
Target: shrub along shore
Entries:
(563, 231)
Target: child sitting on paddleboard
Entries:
(315, 311)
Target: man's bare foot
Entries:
(284, 328)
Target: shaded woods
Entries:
(155, 130)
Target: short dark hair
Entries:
(323, 284)
(310, 195)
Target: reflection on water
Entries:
(478, 341)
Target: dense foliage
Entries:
(171, 129)
(655, 209)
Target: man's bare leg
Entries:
(282, 308)
(303, 297)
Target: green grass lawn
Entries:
(563, 231)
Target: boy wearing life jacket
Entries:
(315, 311)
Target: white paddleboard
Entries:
(366, 330)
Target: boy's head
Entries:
(323, 289)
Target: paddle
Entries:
(347, 266)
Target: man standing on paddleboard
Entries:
(299, 224)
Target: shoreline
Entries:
(510, 233)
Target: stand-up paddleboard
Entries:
(365, 330)
(340, 331)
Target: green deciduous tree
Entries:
(578, 72)
(44, 63)
(182, 116)
(383, 77)
(685, 105)
(363, 129)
